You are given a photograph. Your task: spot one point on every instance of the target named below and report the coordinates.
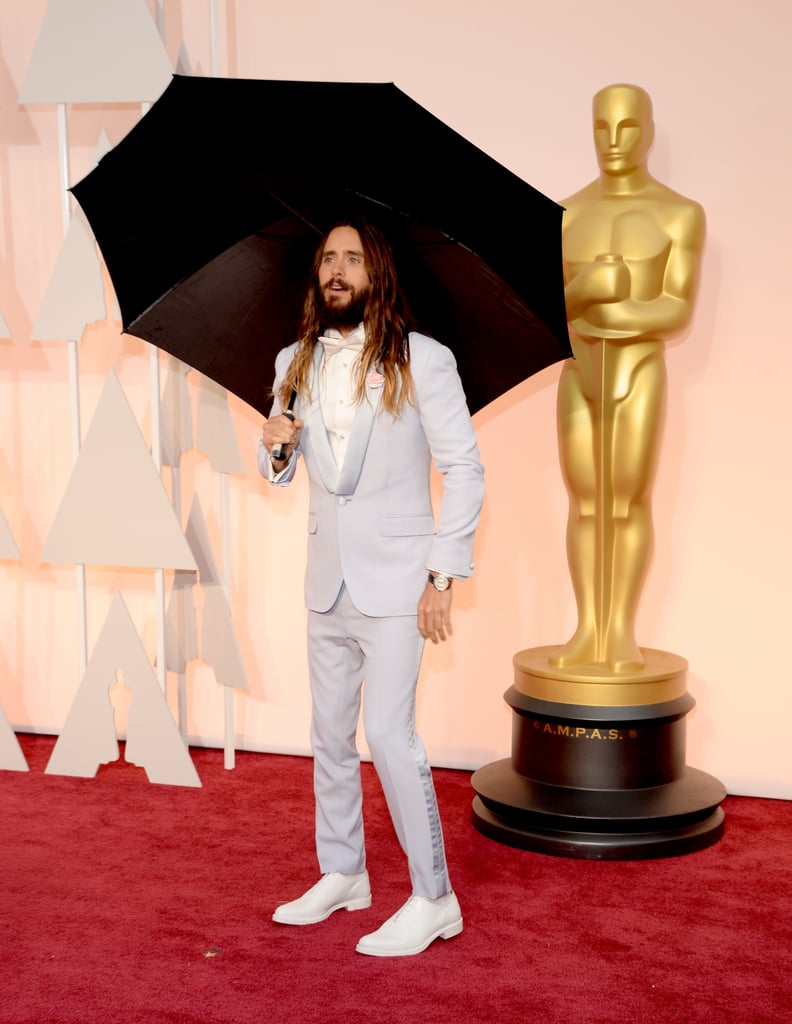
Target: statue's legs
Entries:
(609, 428)
(627, 532)
(576, 439)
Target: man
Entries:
(632, 249)
(374, 404)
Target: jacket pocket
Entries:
(406, 526)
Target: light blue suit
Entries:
(371, 538)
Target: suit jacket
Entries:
(370, 521)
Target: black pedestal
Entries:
(600, 783)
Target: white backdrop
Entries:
(517, 78)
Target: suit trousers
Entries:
(345, 648)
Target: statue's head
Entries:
(623, 128)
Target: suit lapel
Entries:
(343, 481)
(358, 441)
(320, 442)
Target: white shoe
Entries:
(411, 929)
(332, 892)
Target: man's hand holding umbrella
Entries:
(283, 430)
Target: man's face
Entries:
(622, 129)
(343, 279)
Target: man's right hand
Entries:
(281, 430)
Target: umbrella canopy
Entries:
(207, 214)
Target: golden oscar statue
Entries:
(599, 709)
(631, 256)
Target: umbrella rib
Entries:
(447, 237)
(297, 214)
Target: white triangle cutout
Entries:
(75, 296)
(96, 51)
(181, 634)
(11, 757)
(115, 510)
(89, 736)
(103, 146)
(201, 546)
(8, 546)
(219, 646)
(216, 435)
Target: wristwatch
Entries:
(440, 581)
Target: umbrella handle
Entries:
(279, 451)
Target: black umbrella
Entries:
(208, 211)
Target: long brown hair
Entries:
(386, 320)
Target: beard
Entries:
(333, 313)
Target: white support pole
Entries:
(63, 149)
(74, 388)
(181, 677)
(228, 702)
(159, 599)
(74, 399)
(230, 754)
(156, 453)
(79, 570)
(225, 505)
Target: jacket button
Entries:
(342, 500)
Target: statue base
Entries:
(598, 770)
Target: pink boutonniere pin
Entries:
(374, 379)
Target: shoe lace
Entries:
(409, 907)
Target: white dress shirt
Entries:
(337, 386)
(337, 379)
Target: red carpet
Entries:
(124, 902)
